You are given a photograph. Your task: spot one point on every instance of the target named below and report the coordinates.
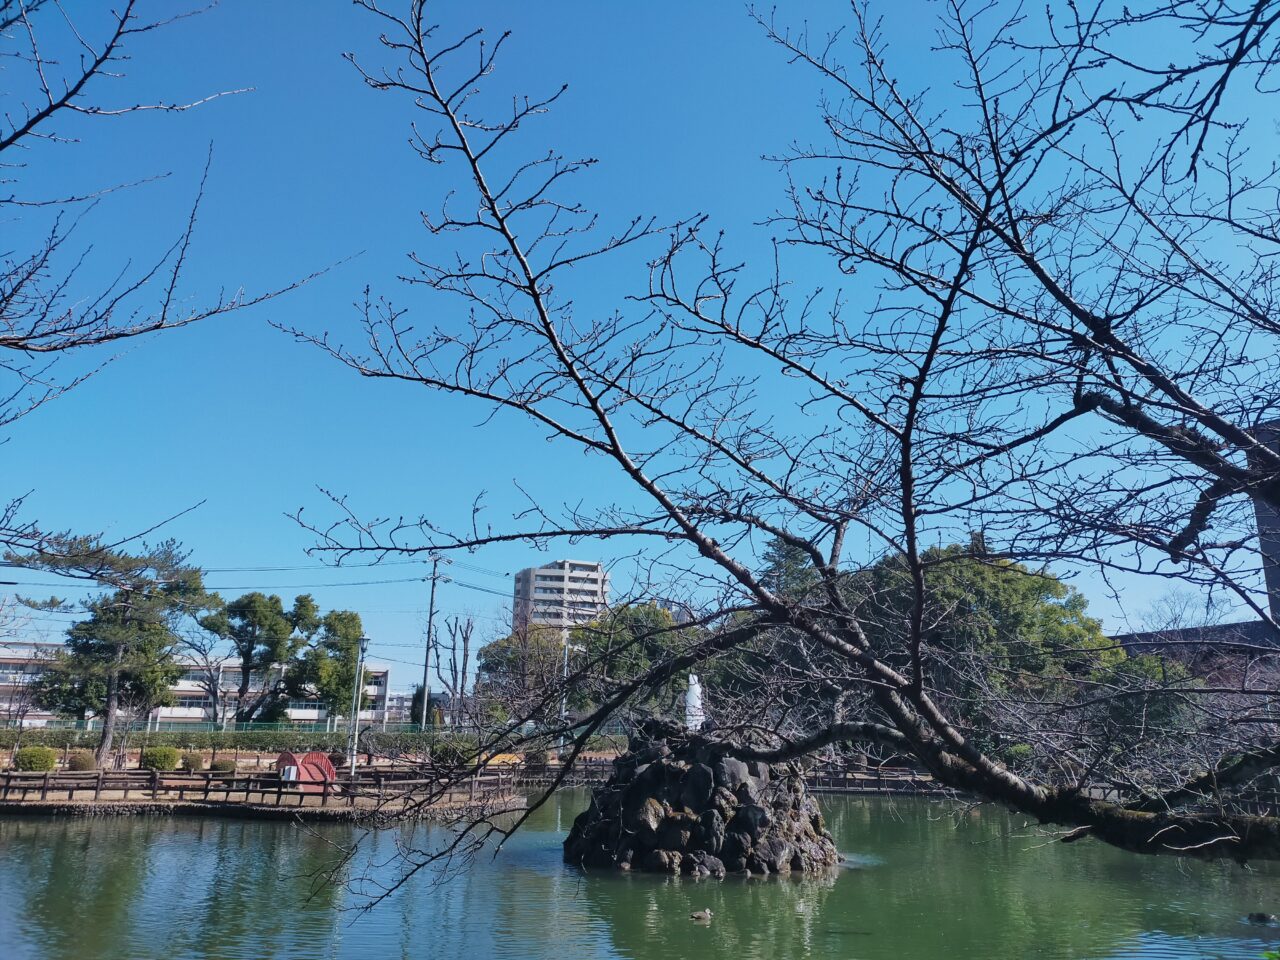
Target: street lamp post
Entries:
(356, 698)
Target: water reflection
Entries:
(922, 881)
(82, 890)
(754, 918)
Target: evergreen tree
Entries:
(326, 670)
(121, 658)
(265, 637)
(787, 569)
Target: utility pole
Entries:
(356, 699)
(426, 662)
(564, 689)
(564, 674)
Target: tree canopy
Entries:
(265, 637)
(121, 658)
(326, 670)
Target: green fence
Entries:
(390, 738)
(177, 726)
(279, 738)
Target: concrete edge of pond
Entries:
(190, 808)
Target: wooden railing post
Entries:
(155, 784)
(97, 789)
(44, 789)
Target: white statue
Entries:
(693, 713)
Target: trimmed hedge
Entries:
(61, 739)
(159, 758)
(222, 766)
(81, 760)
(264, 741)
(251, 741)
(455, 751)
(193, 761)
(35, 759)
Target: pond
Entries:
(923, 880)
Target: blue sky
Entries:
(679, 101)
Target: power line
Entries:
(78, 583)
(461, 564)
(251, 586)
(475, 586)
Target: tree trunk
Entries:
(109, 713)
(244, 713)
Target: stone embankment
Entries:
(672, 806)
(379, 796)
(166, 808)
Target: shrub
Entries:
(159, 758)
(81, 760)
(607, 743)
(1018, 754)
(534, 759)
(454, 751)
(223, 766)
(339, 760)
(35, 759)
(193, 761)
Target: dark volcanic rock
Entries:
(730, 773)
(699, 783)
(673, 806)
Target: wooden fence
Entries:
(823, 778)
(872, 780)
(256, 789)
(392, 788)
(373, 786)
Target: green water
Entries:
(922, 882)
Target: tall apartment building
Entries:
(559, 594)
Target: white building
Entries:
(192, 703)
(21, 663)
(399, 707)
(559, 594)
